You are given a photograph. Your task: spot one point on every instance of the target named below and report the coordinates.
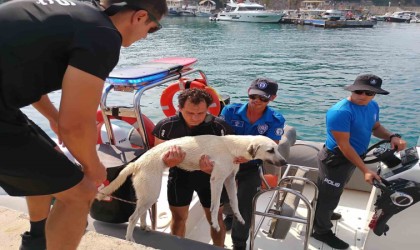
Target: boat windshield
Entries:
(247, 8)
(230, 8)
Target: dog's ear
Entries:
(252, 150)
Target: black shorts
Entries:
(182, 184)
(29, 164)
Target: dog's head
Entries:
(265, 149)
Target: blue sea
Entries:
(310, 64)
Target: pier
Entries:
(327, 24)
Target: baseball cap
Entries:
(264, 87)
(367, 82)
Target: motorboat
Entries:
(174, 7)
(188, 11)
(206, 8)
(248, 11)
(401, 17)
(283, 210)
(332, 15)
(381, 17)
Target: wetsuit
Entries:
(334, 169)
(38, 40)
(181, 183)
(271, 124)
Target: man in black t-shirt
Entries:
(48, 45)
(192, 119)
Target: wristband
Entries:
(394, 135)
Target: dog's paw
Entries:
(145, 228)
(130, 238)
(240, 219)
(216, 227)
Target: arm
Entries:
(81, 93)
(343, 142)
(174, 156)
(382, 133)
(48, 110)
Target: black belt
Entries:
(339, 153)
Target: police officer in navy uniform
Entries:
(252, 118)
(72, 46)
(193, 119)
(350, 124)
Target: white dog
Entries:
(222, 150)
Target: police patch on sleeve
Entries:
(279, 131)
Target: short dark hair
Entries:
(158, 8)
(195, 96)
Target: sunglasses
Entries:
(262, 98)
(366, 92)
(153, 19)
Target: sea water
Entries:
(310, 64)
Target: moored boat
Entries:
(401, 17)
(248, 11)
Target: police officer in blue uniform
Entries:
(252, 118)
(350, 124)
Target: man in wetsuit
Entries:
(193, 119)
(48, 45)
(350, 125)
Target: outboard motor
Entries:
(400, 188)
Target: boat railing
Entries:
(285, 201)
(135, 110)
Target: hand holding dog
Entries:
(174, 156)
(205, 164)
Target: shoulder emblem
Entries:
(279, 131)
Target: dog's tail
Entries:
(117, 182)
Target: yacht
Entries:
(248, 11)
(401, 17)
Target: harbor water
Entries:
(310, 64)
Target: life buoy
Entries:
(149, 126)
(272, 181)
(166, 100)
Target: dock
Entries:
(327, 24)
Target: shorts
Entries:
(182, 184)
(29, 164)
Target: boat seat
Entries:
(284, 202)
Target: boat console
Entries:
(393, 203)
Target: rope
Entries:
(116, 198)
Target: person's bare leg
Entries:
(67, 220)
(179, 220)
(217, 237)
(38, 207)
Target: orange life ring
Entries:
(149, 126)
(272, 181)
(166, 100)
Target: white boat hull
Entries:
(251, 16)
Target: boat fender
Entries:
(149, 126)
(166, 100)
